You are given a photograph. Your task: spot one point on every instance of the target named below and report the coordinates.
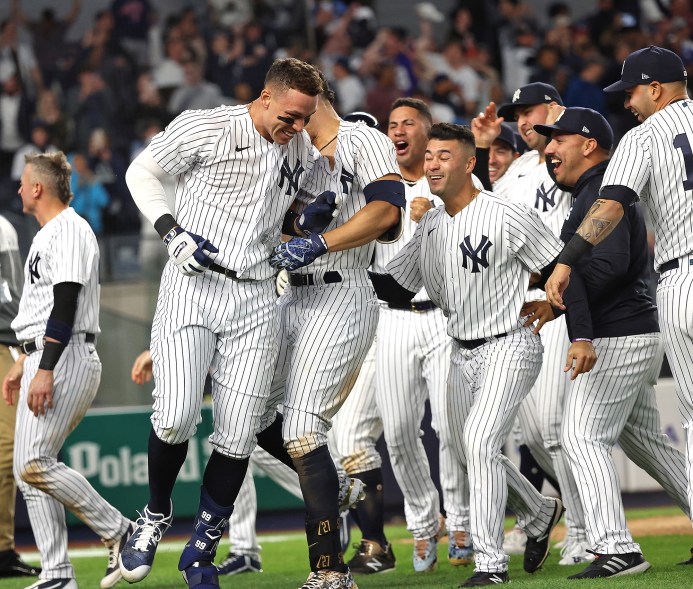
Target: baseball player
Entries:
(239, 169)
(56, 377)
(412, 365)
(528, 181)
(11, 564)
(615, 400)
(478, 250)
(328, 316)
(652, 162)
(244, 555)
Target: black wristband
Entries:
(164, 224)
(574, 250)
(51, 354)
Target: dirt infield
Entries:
(648, 526)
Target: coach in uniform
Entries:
(55, 379)
(479, 249)
(615, 400)
(652, 162)
(239, 169)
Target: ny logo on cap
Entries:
(585, 129)
(547, 97)
(516, 96)
(645, 76)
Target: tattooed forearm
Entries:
(595, 229)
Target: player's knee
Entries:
(32, 471)
(479, 446)
(304, 444)
(174, 435)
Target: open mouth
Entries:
(401, 147)
(556, 163)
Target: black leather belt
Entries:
(416, 306)
(330, 277)
(224, 271)
(673, 265)
(29, 347)
(473, 344)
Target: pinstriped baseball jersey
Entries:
(363, 155)
(228, 179)
(475, 265)
(655, 160)
(531, 184)
(384, 252)
(64, 250)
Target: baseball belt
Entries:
(415, 306)
(29, 346)
(473, 344)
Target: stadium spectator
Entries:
(89, 196)
(40, 142)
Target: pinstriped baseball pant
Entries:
(486, 387)
(615, 402)
(46, 483)
(675, 304)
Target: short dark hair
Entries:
(54, 171)
(290, 73)
(452, 132)
(416, 104)
(327, 92)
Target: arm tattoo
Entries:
(592, 228)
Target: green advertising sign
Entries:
(109, 448)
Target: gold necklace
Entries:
(330, 141)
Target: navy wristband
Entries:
(574, 250)
(51, 354)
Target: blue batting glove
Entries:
(298, 252)
(319, 214)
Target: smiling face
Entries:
(445, 167)
(408, 130)
(500, 157)
(283, 114)
(639, 102)
(567, 153)
(527, 117)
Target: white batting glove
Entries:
(282, 282)
(187, 251)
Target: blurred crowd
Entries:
(101, 99)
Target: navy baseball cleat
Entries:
(137, 556)
(537, 549)
(12, 565)
(113, 574)
(239, 563)
(482, 579)
(614, 565)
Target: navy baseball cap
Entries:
(507, 135)
(361, 117)
(535, 93)
(651, 64)
(581, 121)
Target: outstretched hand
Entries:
(486, 126)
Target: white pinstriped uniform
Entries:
(326, 330)
(475, 266)
(412, 365)
(242, 532)
(233, 187)
(64, 250)
(540, 416)
(655, 161)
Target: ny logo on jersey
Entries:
(477, 255)
(33, 267)
(548, 197)
(347, 179)
(291, 176)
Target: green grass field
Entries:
(284, 560)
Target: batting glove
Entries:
(319, 214)
(298, 252)
(282, 282)
(187, 251)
